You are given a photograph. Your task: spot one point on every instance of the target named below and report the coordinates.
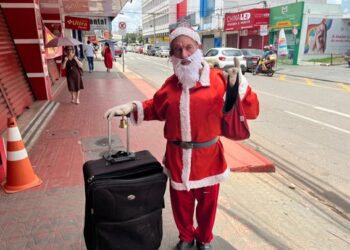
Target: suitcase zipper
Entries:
(104, 177)
(99, 182)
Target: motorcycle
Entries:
(265, 67)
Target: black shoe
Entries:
(204, 246)
(183, 245)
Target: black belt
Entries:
(190, 144)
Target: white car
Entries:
(163, 51)
(223, 58)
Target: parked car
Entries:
(252, 56)
(223, 58)
(152, 51)
(118, 51)
(137, 49)
(163, 51)
(146, 47)
(347, 57)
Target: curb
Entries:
(313, 78)
(31, 133)
(255, 163)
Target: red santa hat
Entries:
(185, 31)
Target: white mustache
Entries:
(187, 69)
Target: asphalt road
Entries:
(303, 127)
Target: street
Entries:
(303, 127)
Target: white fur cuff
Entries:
(140, 114)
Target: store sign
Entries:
(249, 19)
(286, 16)
(100, 23)
(76, 23)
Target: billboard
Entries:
(248, 19)
(326, 36)
(286, 16)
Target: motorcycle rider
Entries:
(268, 57)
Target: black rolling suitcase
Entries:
(124, 200)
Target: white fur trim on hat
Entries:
(185, 31)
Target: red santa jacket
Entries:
(191, 115)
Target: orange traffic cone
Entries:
(20, 174)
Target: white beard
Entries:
(189, 74)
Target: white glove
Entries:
(123, 109)
(231, 73)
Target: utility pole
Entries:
(154, 28)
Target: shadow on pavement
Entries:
(220, 243)
(263, 233)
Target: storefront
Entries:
(287, 17)
(15, 91)
(247, 29)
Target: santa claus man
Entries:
(191, 103)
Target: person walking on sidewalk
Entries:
(107, 54)
(74, 69)
(90, 54)
(190, 102)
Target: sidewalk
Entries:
(256, 211)
(334, 73)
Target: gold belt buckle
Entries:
(186, 145)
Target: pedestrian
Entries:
(90, 54)
(191, 103)
(107, 54)
(74, 69)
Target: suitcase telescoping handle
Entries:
(121, 155)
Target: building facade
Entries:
(254, 24)
(155, 20)
(28, 70)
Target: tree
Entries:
(130, 38)
(140, 38)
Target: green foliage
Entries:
(140, 38)
(134, 38)
(130, 38)
(328, 60)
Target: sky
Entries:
(132, 16)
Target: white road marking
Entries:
(287, 99)
(318, 122)
(306, 104)
(332, 111)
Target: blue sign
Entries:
(207, 7)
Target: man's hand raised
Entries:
(234, 72)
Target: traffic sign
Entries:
(122, 25)
(264, 30)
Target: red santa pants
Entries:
(183, 206)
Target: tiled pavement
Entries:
(256, 211)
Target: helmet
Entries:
(271, 47)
